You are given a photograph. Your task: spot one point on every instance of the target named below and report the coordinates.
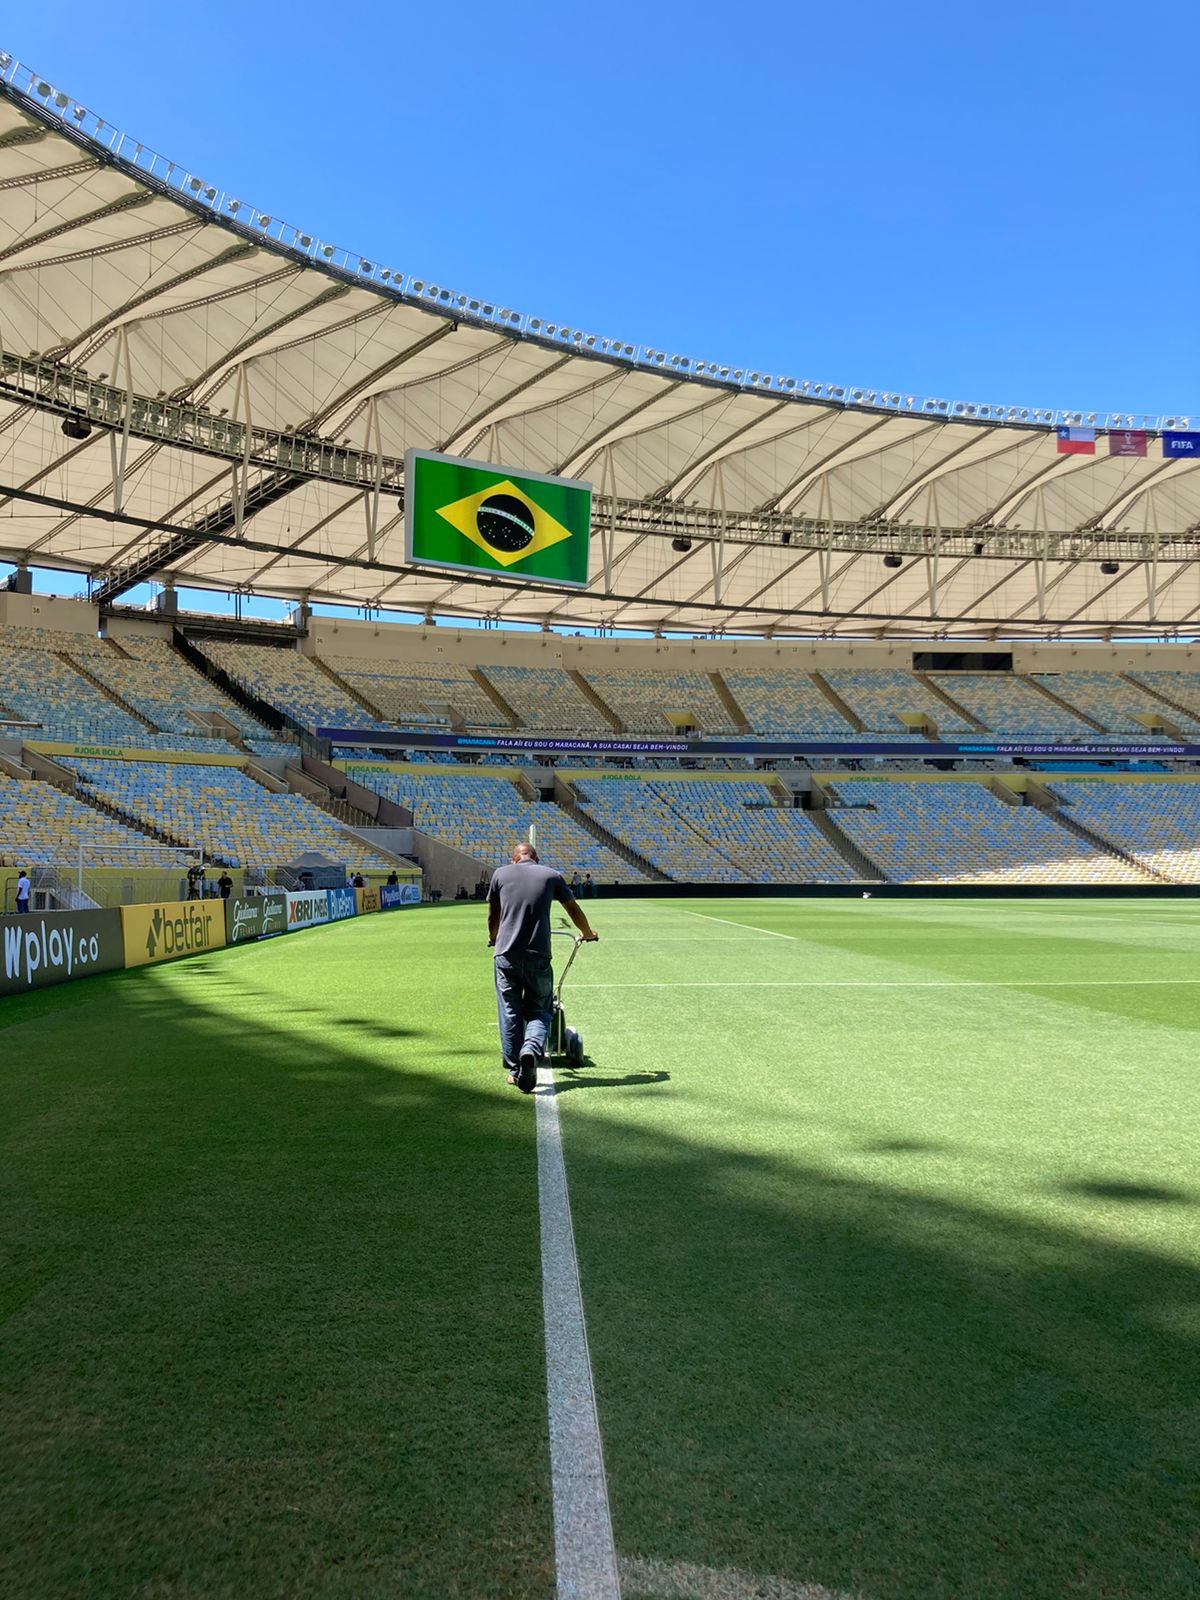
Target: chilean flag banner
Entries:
(1076, 441)
(1128, 442)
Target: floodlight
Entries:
(235, 206)
(264, 222)
(893, 561)
(1109, 568)
(327, 252)
(682, 545)
(60, 100)
(76, 427)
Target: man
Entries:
(519, 900)
(358, 881)
(393, 879)
(225, 884)
(195, 881)
(23, 887)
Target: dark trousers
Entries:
(524, 987)
(22, 907)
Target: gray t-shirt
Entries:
(524, 891)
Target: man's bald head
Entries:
(524, 852)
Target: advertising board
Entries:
(170, 929)
(49, 947)
(368, 900)
(394, 895)
(260, 916)
(307, 910)
(342, 904)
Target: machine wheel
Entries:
(574, 1046)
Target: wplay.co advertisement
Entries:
(55, 946)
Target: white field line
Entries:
(747, 927)
(898, 983)
(680, 1580)
(585, 1559)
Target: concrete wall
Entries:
(476, 647)
(48, 611)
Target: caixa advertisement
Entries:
(56, 946)
(258, 917)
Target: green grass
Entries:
(888, 1231)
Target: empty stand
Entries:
(960, 832)
(646, 702)
(288, 681)
(1157, 822)
(784, 702)
(882, 697)
(412, 693)
(1010, 706)
(485, 817)
(41, 825)
(1179, 692)
(546, 698)
(714, 831)
(222, 811)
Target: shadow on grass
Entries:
(1133, 1193)
(275, 1329)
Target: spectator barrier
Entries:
(307, 910)
(342, 903)
(394, 895)
(165, 931)
(56, 946)
(261, 916)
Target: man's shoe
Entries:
(527, 1073)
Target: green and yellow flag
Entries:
(471, 517)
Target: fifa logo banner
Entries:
(472, 517)
(163, 932)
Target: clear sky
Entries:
(992, 203)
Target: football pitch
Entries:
(887, 1219)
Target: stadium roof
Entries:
(191, 390)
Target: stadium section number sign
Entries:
(472, 517)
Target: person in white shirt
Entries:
(22, 892)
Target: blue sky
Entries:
(971, 201)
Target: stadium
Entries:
(865, 727)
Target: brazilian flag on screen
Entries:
(471, 517)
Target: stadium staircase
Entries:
(128, 819)
(348, 689)
(1157, 694)
(261, 710)
(734, 711)
(1053, 808)
(857, 860)
(76, 665)
(594, 699)
(1064, 705)
(482, 680)
(939, 693)
(566, 799)
(838, 704)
